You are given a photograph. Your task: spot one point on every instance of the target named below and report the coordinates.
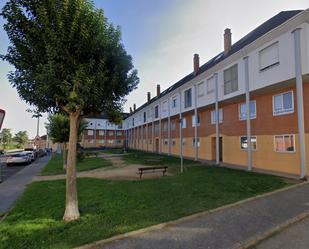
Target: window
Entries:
(285, 143)
(133, 122)
(269, 56)
(194, 120)
(164, 126)
(164, 106)
(243, 110)
(101, 133)
(119, 133)
(211, 85)
(145, 117)
(157, 111)
(90, 141)
(165, 141)
(156, 128)
(90, 133)
(244, 143)
(120, 126)
(213, 116)
(110, 133)
(110, 141)
(231, 79)
(188, 98)
(200, 89)
(184, 141)
(118, 141)
(183, 123)
(174, 102)
(283, 103)
(101, 141)
(198, 142)
(173, 142)
(173, 125)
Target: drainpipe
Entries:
(105, 142)
(147, 138)
(300, 103)
(195, 128)
(248, 120)
(217, 120)
(180, 133)
(169, 127)
(95, 133)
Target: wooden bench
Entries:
(162, 169)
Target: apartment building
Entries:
(102, 133)
(248, 106)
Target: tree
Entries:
(6, 137)
(58, 129)
(68, 58)
(21, 138)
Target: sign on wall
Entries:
(2, 114)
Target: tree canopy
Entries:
(21, 138)
(67, 56)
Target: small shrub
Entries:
(80, 156)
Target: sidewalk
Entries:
(12, 188)
(228, 228)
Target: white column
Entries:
(152, 130)
(169, 126)
(105, 141)
(180, 133)
(248, 120)
(217, 120)
(147, 140)
(300, 104)
(195, 128)
(160, 129)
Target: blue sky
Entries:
(162, 36)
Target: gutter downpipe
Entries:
(180, 133)
(195, 128)
(169, 127)
(217, 120)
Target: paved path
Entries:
(119, 171)
(12, 188)
(294, 237)
(228, 228)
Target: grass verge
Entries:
(113, 207)
(55, 165)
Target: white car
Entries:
(17, 158)
(30, 154)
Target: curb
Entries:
(101, 243)
(250, 244)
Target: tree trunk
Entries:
(71, 208)
(65, 156)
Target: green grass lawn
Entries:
(55, 165)
(113, 207)
(113, 151)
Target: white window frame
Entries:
(245, 116)
(101, 132)
(184, 123)
(289, 152)
(208, 84)
(184, 98)
(201, 89)
(198, 142)
(283, 112)
(213, 119)
(174, 102)
(102, 141)
(90, 133)
(253, 149)
(231, 80)
(276, 63)
(196, 120)
(157, 108)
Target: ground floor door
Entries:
(157, 145)
(213, 145)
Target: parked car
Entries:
(17, 158)
(35, 152)
(42, 152)
(30, 154)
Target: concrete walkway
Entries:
(295, 236)
(228, 228)
(12, 188)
